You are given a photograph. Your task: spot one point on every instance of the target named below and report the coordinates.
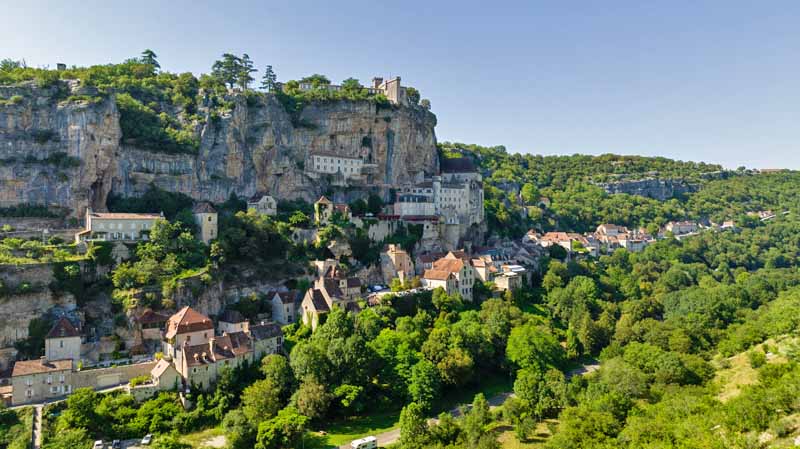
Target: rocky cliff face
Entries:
(69, 153)
(56, 153)
(659, 189)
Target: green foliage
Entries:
(154, 200)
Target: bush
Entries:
(757, 358)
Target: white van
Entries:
(369, 442)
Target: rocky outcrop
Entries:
(659, 189)
(70, 153)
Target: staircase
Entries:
(36, 434)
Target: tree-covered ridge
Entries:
(524, 191)
(163, 111)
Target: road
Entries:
(391, 436)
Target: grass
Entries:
(198, 439)
(338, 433)
(508, 440)
(734, 373)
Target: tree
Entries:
(316, 80)
(239, 431)
(412, 94)
(541, 394)
(531, 345)
(261, 400)
(227, 70)
(245, 68)
(269, 80)
(529, 193)
(476, 420)
(149, 57)
(285, 431)
(276, 369)
(312, 399)
(413, 427)
(424, 386)
(72, 438)
(351, 85)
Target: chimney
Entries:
(211, 342)
(376, 82)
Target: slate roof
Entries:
(289, 297)
(125, 216)
(28, 367)
(318, 301)
(160, 368)
(63, 329)
(264, 331)
(187, 320)
(232, 316)
(221, 348)
(332, 287)
(204, 208)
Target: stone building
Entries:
(205, 216)
(63, 342)
(263, 204)
(396, 263)
(452, 272)
(390, 88)
(284, 306)
(333, 289)
(117, 226)
(325, 208)
(231, 321)
(186, 327)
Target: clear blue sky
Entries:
(717, 81)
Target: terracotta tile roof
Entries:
(28, 367)
(125, 216)
(187, 320)
(342, 208)
(324, 200)
(238, 343)
(449, 265)
(62, 329)
(437, 275)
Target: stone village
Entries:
(188, 348)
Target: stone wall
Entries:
(109, 377)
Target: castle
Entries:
(390, 88)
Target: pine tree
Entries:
(149, 57)
(245, 68)
(269, 80)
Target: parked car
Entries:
(98, 444)
(147, 440)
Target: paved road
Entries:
(391, 436)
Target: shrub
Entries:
(756, 358)
(16, 99)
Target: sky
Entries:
(714, 81)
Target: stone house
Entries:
(267, 339)
(40, 380)
(396, 263)
(457, 264)
(334, 288)
(201, 364)
(150, 324)
(63, 342)
(284, 306)
(165, 377)
(205, 216)
(231, 321)
(263, 204)
(682, 227)
(325, 208)
(117, 226)
(185, 328)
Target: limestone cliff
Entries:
(59, 153)
(70, 153)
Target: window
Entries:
(49, 379)
(54, 389)
(29, 393)
(60, 343)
